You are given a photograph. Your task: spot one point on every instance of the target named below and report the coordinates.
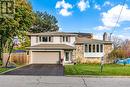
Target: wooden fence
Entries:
(19, 58)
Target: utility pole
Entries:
(102, 63)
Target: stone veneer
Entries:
(79, 54)
(107, 50)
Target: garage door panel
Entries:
(45, 57)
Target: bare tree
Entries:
(117, 42)
(126, 45)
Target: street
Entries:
(61, 81)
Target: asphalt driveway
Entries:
(39, 69)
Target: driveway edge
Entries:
(2, 73)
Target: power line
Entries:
(118, 18)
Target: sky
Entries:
(89, 16)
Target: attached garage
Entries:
(48, 53)
(42, 57)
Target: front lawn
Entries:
(94, 69)
(3, 69)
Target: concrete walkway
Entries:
(61, 81)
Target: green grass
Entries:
(3, 69)
(94, 69)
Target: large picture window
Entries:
(94, 48)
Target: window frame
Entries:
(45, 38)
(65, 38)
(93, 48)
(97, 48)
(101, 48)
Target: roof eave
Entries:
(39, 48)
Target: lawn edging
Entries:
(2, 73)
(94, 76)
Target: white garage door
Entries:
(45, 57)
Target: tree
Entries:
(18, 25)
(117, 42)
(126, 46)
(23, 43)
(44, 23)
(118, 53)
(121, 48)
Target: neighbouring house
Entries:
(67, 47)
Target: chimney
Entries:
(105, 36)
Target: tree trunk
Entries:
(1, 49)
(9, 55)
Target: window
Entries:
(97, 48)
(86, 48)
(90, 48)
(93, 48)
(66, 38)
(66, 56)
(63, 39)
(45, 39)
(49, 39)
(36, 39)
(101, 48)
(40, 39)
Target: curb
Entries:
(92, 76)
(12, 69)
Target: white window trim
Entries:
(92, 48)
(65, 38)
(70, 56)
(93, 54)
(47, 39)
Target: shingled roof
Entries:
(53, 33)
(51, 47)
(62, 33)
(91, 41)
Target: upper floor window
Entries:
(45, 39)
(93, 48)
(66, 38)
(36, 39)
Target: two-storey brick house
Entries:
(63, 47)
